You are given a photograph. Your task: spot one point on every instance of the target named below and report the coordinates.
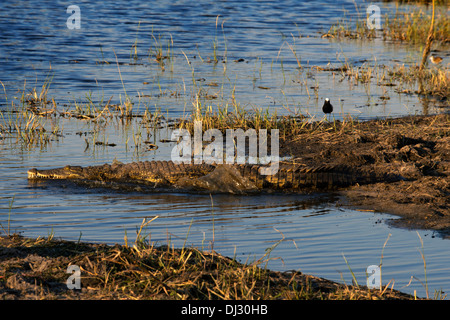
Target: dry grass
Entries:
(36, 269)
(432, 81)
(411, 27)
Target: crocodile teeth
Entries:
(34, 174)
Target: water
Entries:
(36, 44)
(311, 233)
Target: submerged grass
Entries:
(29, 129)
(233, 115)
(413, 27)
(431, 81)
(410, 26)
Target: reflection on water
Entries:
(254, 43)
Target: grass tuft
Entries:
(146, 271)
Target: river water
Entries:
(257, 44)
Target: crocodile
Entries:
(221, 178)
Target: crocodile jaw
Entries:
(55, 174)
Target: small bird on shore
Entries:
(327, 107)
(435, 59)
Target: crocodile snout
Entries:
(32, 174)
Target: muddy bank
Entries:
(417, 148)
(37, 269)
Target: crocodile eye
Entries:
(67, 168)
(76, 168)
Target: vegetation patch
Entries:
(36, 269)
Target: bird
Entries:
(435, 59)
(327, 107)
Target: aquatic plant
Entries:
(410, 26)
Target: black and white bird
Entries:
(327, 107)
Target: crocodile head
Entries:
(68, 172)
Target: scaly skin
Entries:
(141, 172)
(167, 173)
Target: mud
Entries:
(36, 269)
(416, 147)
